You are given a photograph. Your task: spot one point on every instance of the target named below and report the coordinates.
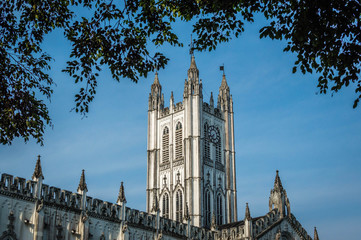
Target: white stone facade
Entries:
(191, 186)
(186, 167)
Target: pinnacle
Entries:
(193, 63)
(278, 183)
(155, 207)
(156, 79)
(38, 171)
(315, 236)
(224, 82)
(82, 184)
(248, 213)
(121, 195)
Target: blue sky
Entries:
(280, 123)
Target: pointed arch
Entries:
(178, 140)
(179, 206)
(165, 145)
(165, 205)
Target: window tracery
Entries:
(165, 145)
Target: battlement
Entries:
(211, 110)
(176, 108)
(20, 188)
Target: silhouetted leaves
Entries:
(118, 36)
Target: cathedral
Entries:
(191, 188)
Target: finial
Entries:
(224, 82)
(82, 184)
(156, 79)
(38, 171)
(248, 213)
(213, 222)
(315, 235)
(211, 100)
(186, 215)
(155, 207)
(193, 63)
(121, 195)
(191, 47)
(278, 183)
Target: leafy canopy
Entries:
(324, 34)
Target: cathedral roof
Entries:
(38, 171)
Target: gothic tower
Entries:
(191, 156)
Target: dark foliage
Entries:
(325, 35)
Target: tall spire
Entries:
(121, 195)
(193, 63)
(156, 79)
(38, 171)
(278, 183)
(315, 235)
(248, 213)
(82, 184)
(224, 84)
(193, 72)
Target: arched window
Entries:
(206, 143)
(165, 209)
(218, 149)
(165, 144)
(178, 141)
(219, 209)
(207, 205)
(179, 206)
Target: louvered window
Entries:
(219, 209)
(218, 149)
(179, 206)
(165, 209)
(207, 204)
(178, 141)
(165, 144)
(206, 143)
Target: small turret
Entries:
(155, 207)
(171, 101)
(155, 96)
(82, 184)
(224, 95)
(38, 178)
(211, 101)
(193, 72)
(192, 85)
(315, 235)
(38, 173)
(248, 213)
(248, 224)
(121, 195)
(278, 198)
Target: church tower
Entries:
(191, 157)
